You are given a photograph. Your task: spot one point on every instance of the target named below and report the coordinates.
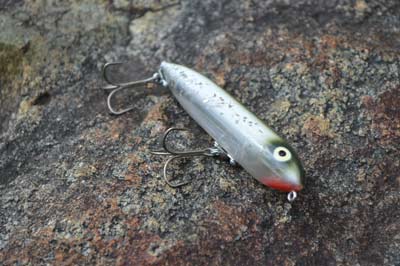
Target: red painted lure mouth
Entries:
(279, 184)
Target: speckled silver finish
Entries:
(244, 136)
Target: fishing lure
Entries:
(237, 132)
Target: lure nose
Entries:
(286, 182)
(280, 184)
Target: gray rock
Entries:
(79, 186)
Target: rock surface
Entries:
(79, 186)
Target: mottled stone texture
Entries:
(79, 186)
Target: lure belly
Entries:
(243, 136)
(256, 147)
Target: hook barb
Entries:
(105, 76)
(116, 87)
(179, 184)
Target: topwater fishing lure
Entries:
(237, 132)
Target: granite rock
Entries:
(79, 186)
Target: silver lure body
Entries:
(238, 131)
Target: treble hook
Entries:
(116, 87)
(216, 150)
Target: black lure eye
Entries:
(282, 154)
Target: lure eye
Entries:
(282, 154)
